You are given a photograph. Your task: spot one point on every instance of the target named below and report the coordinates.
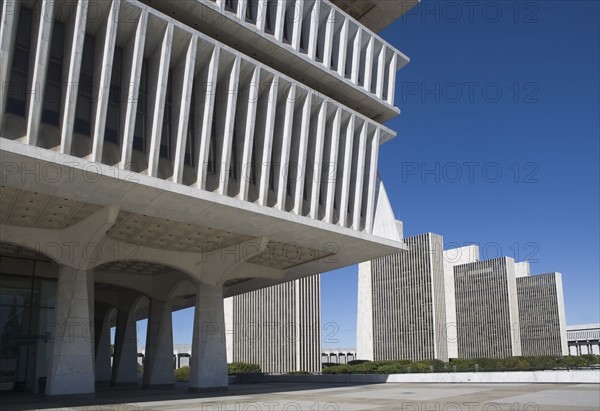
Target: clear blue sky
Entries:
(488, 90)
(498, 144)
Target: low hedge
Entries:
(463, 365)
(183, 374)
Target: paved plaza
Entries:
(328, 397)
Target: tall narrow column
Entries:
(71, 368)
(103, 367)
(209, 356)
(158, 365)
(124, 370)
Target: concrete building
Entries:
(164, 155)
(338, 355)
(487, 311)
(401, 306)
(583, 339)
(541, 313)
(452, 258)
(278, 327)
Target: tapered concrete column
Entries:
(208, 364)
(158, 366)
(124, 370)
(71, 369)
(103, 366)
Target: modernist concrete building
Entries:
(277, 327)
(452, 258)
(401, 306)
(583, 339)
(163, 155)
(338, 355)
(487, 311)
(541, 313)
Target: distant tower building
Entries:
(401, 306)
(277, 327)
(452, 258)
(541, 313)
(487, 311)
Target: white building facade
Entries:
(402, 304)
(278, 327)
(542, 313)
(164, 155)
(428, 303)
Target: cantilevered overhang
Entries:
(376, 14)
(33, 169)
(234, 31)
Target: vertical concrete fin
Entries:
(184, 109)
(249, 134)
(75, 55)
(303, 146)
(356, 56)
(285, 148)
(298, 18)
(159, 101)
(314, 30)
(208, 110)
(331, 177)
(392, 79)
(369, 64)
(360, 175)
(106, 64)
(232, 94)
(268, 142)
(345, 190)
(381, 72)
(318, 157)
(137, 59)
(40, 69)
(341, 68)
(329, 33)
(372, 185)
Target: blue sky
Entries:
(498, 144)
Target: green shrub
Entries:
(339, 369)
(355, 362)
(236, 368)
(182, 374)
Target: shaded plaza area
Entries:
(304, 396)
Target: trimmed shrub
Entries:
(182, 374)
(236, 368)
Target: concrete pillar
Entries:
(124, 370)
(158, 364)
(208, 364)
(103, 367)
(71, 366)
(578, 349)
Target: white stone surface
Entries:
(453, 257)
(71, 367)
(208, 365)
(158, 364)
(522, 269)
